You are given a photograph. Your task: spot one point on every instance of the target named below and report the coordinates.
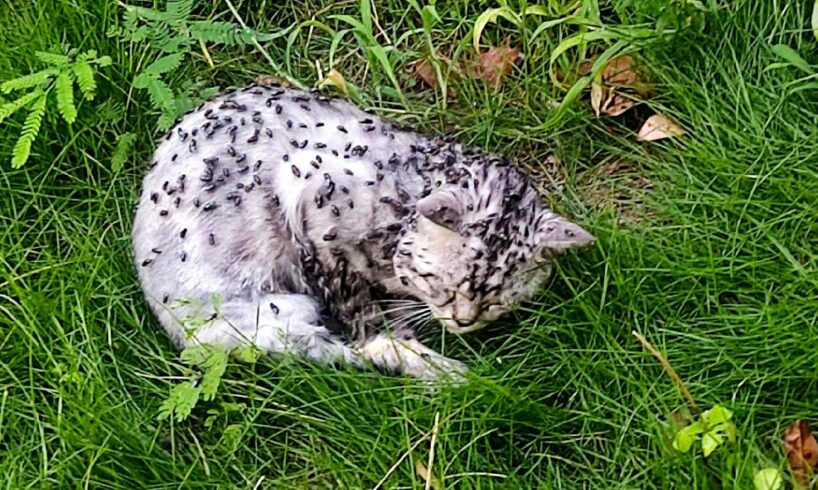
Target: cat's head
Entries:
(472, 253)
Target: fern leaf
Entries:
(175, 44)
(51, 58)
(214, 32)
(103, 61)
(31, 126)
(65, 97)
(85, 79)
(124, 145)
(10, 108)
(161, 95)
(140, 34)
(214, 368)
(165, 64)
(148, 13)
(179, 10)
(166, 120)
(196, 355)
(226, 33)
(183, 397)
(162, 98)
(28, 81)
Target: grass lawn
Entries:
(708, 246)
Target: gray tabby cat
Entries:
(301, 224)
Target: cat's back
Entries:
(229, 182)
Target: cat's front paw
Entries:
(437, 367)
(412, 358)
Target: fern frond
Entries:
(85, 79)
(140, 34)
(183, 397)
(31, 127)
(103, 61)
(175, 44)
(166, 120)
(28, 81)
(214, 368)
(124, 145)
(129, 20)
(162, 98)
(52, 59)
(165, 64)
(215, 32)
(10, 108)
(65, 97)
(161, 95)
(147, 13)
(226, 33)
(179, 10)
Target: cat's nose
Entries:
(465, 310)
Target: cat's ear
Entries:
(441, 208)
(557, 233)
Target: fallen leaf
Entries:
(616, 104)
(495, 63)
(335, 79)
(597, 93)
(767, 479)
(608, 89)
(801, 449)
(658, 127)
(424, 70)
(585, 67)
(620, 71)
(426, 475)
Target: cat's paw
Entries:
(412, 358)
(437, 367)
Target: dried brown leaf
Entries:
(658, 127)
(494, 64)
(608, 88)
(597, 94)
(424, 70)
(427, 476)
(585, 67)
(616, 104)
(801, 449)
(620, 71)
(335, 79)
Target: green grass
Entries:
(719, 270)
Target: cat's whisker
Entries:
(411, 319)
(399, 312)
(416, 307)
(407, 315)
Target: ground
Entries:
(707, 247)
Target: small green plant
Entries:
(59, 78)
(713, 428)
(206, 366)
(122, 150)
(174, 33)
(768, 479)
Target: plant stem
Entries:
(669, 370)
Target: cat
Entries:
(301, 224)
